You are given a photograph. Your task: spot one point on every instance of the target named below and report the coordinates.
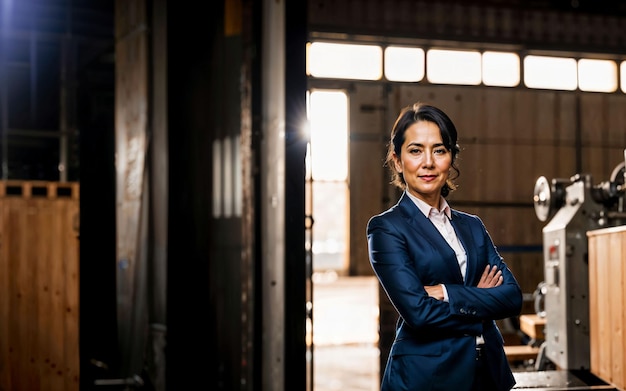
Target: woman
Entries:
(440, 269)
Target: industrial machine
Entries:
(572, 207)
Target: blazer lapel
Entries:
(426, 230)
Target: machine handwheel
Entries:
(542, 198)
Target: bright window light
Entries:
(554, 73)
(344, 61)
(453, 67)
(501, 69)
(597, 75)
(329, 197)
(622, 72)
(404, 64)
(328, 120)
(462, 67)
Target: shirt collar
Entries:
(425, 208)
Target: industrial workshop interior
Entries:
(186, 185)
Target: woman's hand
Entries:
(491, 277)
(435, 291)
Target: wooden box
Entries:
(39, 286)
(607, 303)
(533, 326)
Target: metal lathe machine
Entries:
(572, 207)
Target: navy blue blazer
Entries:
(434, 345)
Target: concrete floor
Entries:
(345, 333)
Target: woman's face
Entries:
(424, 162)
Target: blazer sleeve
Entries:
(395, 268)
(500, 302)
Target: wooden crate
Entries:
(39, 286)
(533, 326)
(516, 353)
(607, 300)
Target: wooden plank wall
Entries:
(607, 303)
(508, 138)
(39, 286)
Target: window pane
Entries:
(622, 72)
(555, 73)
(501, 69)
(328, 156)
(597, 75)
(334, 60)
(453, 67)
(330, 211)
(328, 119)
(404, 64)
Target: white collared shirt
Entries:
(441, 220)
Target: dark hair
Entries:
(415, 113)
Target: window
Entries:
(622, 70)
(501, 69)
(328, 120)
(597, 75)
(453, 67)
(404, 64)
(555, 73)
(345, 61)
